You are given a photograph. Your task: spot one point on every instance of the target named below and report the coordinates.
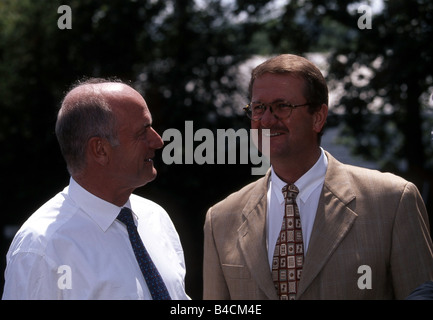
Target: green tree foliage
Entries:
(386, 73)
(386, 105)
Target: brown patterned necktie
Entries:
(289, 250)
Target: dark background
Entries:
(191, 61)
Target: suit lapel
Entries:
(333, 220)
(252, 238)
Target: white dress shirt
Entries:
(310, 186)
(74, 248)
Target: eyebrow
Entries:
(145, 127)
(148, 123)
(276, 100)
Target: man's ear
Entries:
(98, 150)
(320, 118)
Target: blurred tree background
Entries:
(186, 58)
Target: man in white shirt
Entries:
(73, 247)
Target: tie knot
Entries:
(290, 191)
(125, 216)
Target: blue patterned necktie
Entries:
(156, 285)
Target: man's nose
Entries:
(156, 141)
(268, 119)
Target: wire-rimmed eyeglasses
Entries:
(281, 110)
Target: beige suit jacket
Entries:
(364, 218)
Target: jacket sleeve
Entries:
(214, 284)
(412, 249)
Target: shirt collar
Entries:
(102, 212)
(307, 183)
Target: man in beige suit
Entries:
(365, 234)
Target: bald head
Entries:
(92, 89)
(90, 109)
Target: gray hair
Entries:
(81, 119)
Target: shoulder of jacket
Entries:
(360, 175)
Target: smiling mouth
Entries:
(272, 134)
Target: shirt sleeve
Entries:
(31, 276)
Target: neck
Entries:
(291, 169)
(104, 190)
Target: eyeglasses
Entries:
(281, 110)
